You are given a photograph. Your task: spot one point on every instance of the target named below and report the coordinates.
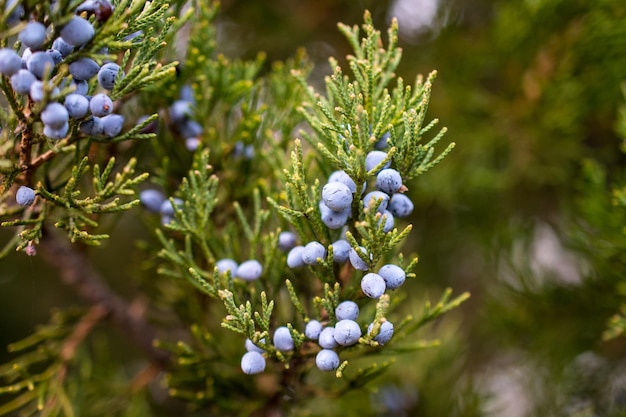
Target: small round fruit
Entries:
(282, 339)
(92, 126)
(83, 69)
(101, 105)
(250, 270)
(389, 181)
(400, 205)
(327, 360)
(227, 264)
(356, 261)
(386, 218)
(344, 178)
(55, 115)
(347, 310)
(334, 219)
(77, 105)
(56, 133)
(151, 199)
(63, 47)
(327, 338)
(287, 240)
(112, 125)
(376, 197)
(374, 158)
(252, 363)
(167, 209)
(337, 196)
(33, 35)
(385, 333)
(312, 252)
(294, 257)
(347, 332)
(373, 285)
(341, 251)
(108, 74)
(25, 196)
(22, 80)
(10, 62)
(77, 31)
(393, 275)
(313, 329)
(40, 64)
(251, 347)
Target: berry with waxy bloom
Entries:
(393, 275)
(313, 329)
(400, 205)
(347, 332)
(389, 181)
(347, 310)
(252, 363)
(373, 285)
(341, 251)
(287, 240)
(327, 360)
(282, 339)
(294, 257)
(327, 338)
(10, 62)
(385, 333)
(151, 199)
(312, 252)
(226, 264)
(337, 196)
(356, 261)
(77, 31)
(374, 158)
(250, 270)
(25, 196)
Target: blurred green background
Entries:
(520, 214)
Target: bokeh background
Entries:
(521, 214)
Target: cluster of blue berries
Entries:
(180, 113)
(28, 74)
(156, 202)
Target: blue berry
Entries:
(250, 270)
(25, 196)
(327, 360)
(83, 69)
(282, 339)
(167, 209)
(312, 251)
(356, 261)
(33, 35)
(381, 143)
(373, 285)
(326, 338)
(37, 93)
(63, 47)
(334, 219)
(108, 74)
(347, 332)
(80, 87)
(224, 265)
(287, 240)
(344, 178)
(393, 275)
(101, 105)
(151, 199)
(112, 125)
(313, 329)
(16, 12)
(337, 196)
(400, 205)
(77, 105)
(385, 333)
(77, 31)
(347, 310)
(294, 257)
(10, 62)
(252, 363)
(190, 129)
(40, 64)
(387, 219)
(251, 347)
(180, 111)
(55, 115)
(374, 158)
(371, 199)
(389, 181)
(192, 144)
(92, 126)
(56, 132)
(341, 251)
(56, 56)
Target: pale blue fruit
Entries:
(77, 105)
(385, 334)
(387, 220)
(108, 74)
(341, 251)
(282, 339)
(101, 105)
(356, 261)
(227, 264)
(151, 199)
(25, 196)
(327, 360)
(112, 124)
(327, 338)
(313, 329)
(250, 270)
(22, 80)
(33, 35)
(344, 178)
(287, 240)
(376, 197)
(374, 158)
(84, 68)
(56, 133)
(389, 181)
(77, 31)
(334, 219)
(400, 205)
(40, 64)
(393, 275)
(347, 332)
(347, 310)
(337, 196)
(252, 363)
(312, 252)
(10, 62)
(294, 257)
(373, 285)
(251, 347)
(55, 115)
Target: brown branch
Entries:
(77, 272)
